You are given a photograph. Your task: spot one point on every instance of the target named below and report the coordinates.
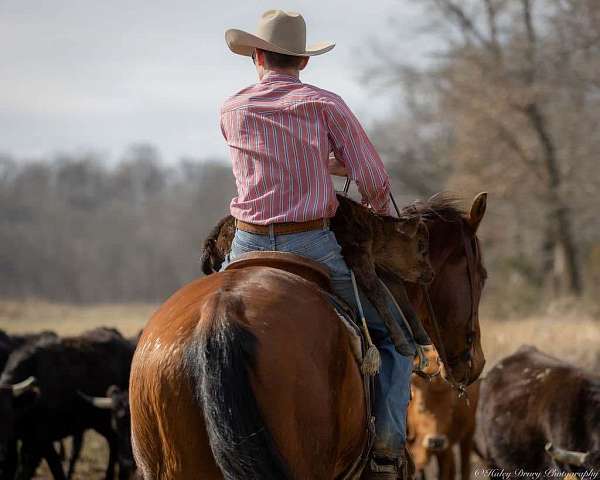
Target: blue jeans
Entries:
(392, 385)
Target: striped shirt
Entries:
(280, 132)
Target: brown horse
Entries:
(249, 374)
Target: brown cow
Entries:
(539, 414)
(437, 420)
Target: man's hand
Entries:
(336, 167)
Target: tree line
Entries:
(509, 102)
(74, 229)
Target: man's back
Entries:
(280, 133)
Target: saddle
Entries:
(319, 274)
(303, 267)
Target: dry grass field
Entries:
(36, 315)
(564, 332)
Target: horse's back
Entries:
(298, 347)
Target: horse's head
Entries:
(456, 289)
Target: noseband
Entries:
(467, 354)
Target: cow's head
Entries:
(406, 251)
(429, 420)
(116, 402)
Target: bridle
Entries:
(466, 354)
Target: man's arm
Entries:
(354, 150)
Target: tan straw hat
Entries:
(278, 31)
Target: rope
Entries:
(372, 361)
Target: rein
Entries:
(470, 338)
(459, 386)
(473, 315)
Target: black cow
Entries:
(539, 414)
(116, 405)
(9, 343)
(50, 408)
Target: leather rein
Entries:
(467, 354)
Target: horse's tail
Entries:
(220, 358)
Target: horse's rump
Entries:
(252, 367)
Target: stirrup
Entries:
(387, 467)
(383, 468)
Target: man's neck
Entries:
(292, 72)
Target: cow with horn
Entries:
(40, 404)
(115, 404)
(539, 414)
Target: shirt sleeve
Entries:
(355, 151)
(222, 125)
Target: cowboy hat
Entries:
(278, 31)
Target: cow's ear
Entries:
(477, 210)
(408, 226)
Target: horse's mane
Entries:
(441, 206)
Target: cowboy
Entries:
(280, 134)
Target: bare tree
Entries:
(510, 75)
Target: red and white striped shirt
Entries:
(280, 132)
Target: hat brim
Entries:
(244, 43)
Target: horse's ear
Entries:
(477, 210)
(408, 227)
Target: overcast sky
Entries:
(80, 75)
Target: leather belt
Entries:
(283, 228)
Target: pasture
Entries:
(564, 332)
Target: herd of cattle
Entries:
(532, 414)
(52, 388)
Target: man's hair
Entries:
(281, 60)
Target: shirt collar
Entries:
(279, 77)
